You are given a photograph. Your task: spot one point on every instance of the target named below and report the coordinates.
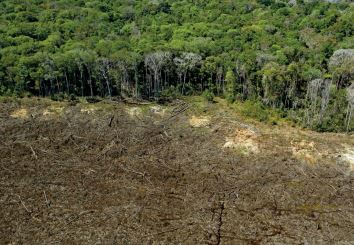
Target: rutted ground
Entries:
(177, 174)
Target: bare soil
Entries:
(111, 173)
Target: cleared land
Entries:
(186, 173)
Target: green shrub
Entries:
(72, 97)
(170, 93)
(24, 94)
(58, 97)
(93, 100)
(209, 96)
(186, 89)
(255, 109)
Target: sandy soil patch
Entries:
(158, 110)
(88, 110)
(134, 111)
(348, 157)
(244, 140)
(52, 111)
(306, 151)
(199, 122)
(20, 113)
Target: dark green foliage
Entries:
(230, 90)
(93, 100)
(58, 97)
(337, 107)
(209, 96)
(255, 109)
(269, 49)
(171, 93)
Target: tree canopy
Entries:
(270, 50)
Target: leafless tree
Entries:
(186, 63)
(154, 62)
(325, 96)
(350, 98)
(318, 95)
(105, 67)
(123, 69)
(241, 72)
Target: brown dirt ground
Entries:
(97, 174)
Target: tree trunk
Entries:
(184, 82)
(58, 86)
(90, 83)
(67, 82)
(51, 86)
(106, 78)
(348, 116)
(82, 83)
(155, 83)
(136, 82)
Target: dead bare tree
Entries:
(325, 96)
(184, 64)
(318, 95)
(105, 66)
(123, 68)
(350, 98)
(241, 72)
(154, 62)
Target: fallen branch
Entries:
(33, 152)
(220, 223)
(111, 121)
(46, 199)
(23, 204)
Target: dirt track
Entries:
(116, 174)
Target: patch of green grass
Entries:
(198, 104)
(7, 99)
(208, 95)
(256, 110)
(102, 105)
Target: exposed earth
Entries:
(184, 173)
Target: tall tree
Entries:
(154, 62)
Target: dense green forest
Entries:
(294, 56)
